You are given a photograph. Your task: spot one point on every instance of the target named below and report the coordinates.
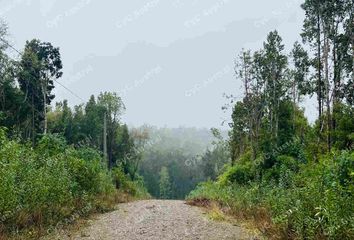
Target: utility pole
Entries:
(45, 109)
(105, 158)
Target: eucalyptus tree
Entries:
(246, 69)
(275, 64)
(328, 27)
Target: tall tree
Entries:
(239, 132)
(139, 138)
(40, 65)
(124, 151)
(273, 73)
(300, 83)
(114, 107)
(165, 184)
(94, 114)
(326, 28)
(312, 34)
(12, 109)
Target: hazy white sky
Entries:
(171, 60)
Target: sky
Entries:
(171, 61)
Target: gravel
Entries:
(156, 219)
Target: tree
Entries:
(93, 123)
(40, 66)
(12, 110)
(3, 35)
(312, 34)
(60, 121)
(239, 132)
(135, 143)
(249, 69)
(125, 151)
(113, 108)
(328, 27)
(275, 65)
(300, 82)
(268, 116)
(214, 159)
(164, 183)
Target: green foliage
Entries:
(124, 183)
(164, 183)
(301, 174)
(39, 67)
(49, 183)
(83, 126)
(60, 174)
(183, 152)
(316, 201)
(345, 169)
(344, 133)
(119, 177)
(239, 173)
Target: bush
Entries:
(47, 184)
(309, 201)
(120, 178)
(241, 174)
(124, 183)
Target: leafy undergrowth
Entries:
(54, 185)
(315, 202)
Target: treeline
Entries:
(84, 125)
(59, 163)
(173, 162)
(295, 180)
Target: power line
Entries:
(9, 45)
(13, 48)
(66, 88)
(74, 94)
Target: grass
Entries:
(75, 221)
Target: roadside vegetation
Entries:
(291, 179)
(313, 202)
(56, 163)
(55, 184)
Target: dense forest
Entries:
(292, 178)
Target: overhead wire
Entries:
(61, 84)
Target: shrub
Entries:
(124, 183)
(120, 178)
(44, 185)
(241, 174)
(309, 201)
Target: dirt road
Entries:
(156, 219)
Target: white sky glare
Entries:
(171, 60)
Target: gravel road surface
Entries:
(156, 219)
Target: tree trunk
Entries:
(319, 82)
(352, 38)
(327, 89)
(336, 77)
(33, 127)
(45, 110)
(105, 140)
